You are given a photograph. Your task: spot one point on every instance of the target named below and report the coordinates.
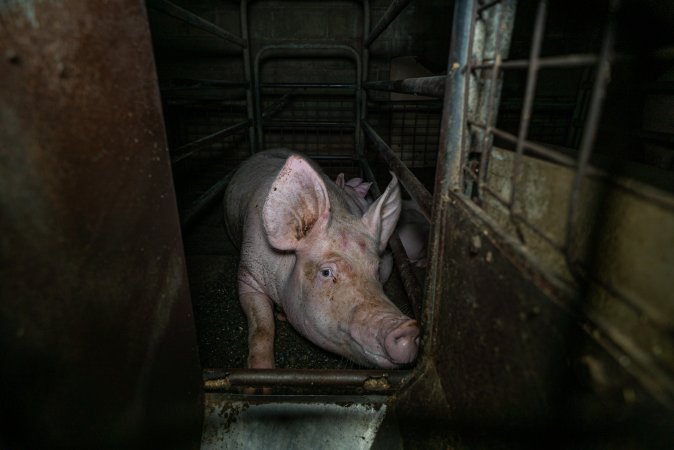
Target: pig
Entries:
(413, 228)
(308, 248)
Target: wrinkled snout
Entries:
(402, 343)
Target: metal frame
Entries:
(468, 129)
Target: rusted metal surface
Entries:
(367, 380)
(97, 342)
(430, 86)
(325, 422)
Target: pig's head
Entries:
(333, 296)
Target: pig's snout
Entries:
(402, 342)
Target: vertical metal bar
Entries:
(591, 124)
(494, 90)
(452, 131)
(448, 172)
(360, 148)
(530, 92)
(247, 75)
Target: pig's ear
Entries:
(297, 202)
(382, 216)
(362, 189)
(340, 181)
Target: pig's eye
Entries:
(326, 272)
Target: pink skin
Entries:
(412, 228)
(309, 248)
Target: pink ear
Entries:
(359, 186)
(340, 181)
(382, 216)
(296, 201)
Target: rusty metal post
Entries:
(97, 342)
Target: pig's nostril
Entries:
(402, 342)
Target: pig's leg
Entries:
(259, 311)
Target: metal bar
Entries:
(410, 283)
(278, 105)
(487, 6)
(310, 85)
(204, 203)
(275, 51)
(389, 16)
(530, 91)
(548, 152)
(250, 103)
(300, 124)
(368, 380)
(491, 107)
(187, 83)
(413, 186)
(196, 21)
(596, 101)
(194, 146)
(431, 86)
(574, 60)
(452, 127)
(365, 52)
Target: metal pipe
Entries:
(274, 51)
(587, 142)
(389, 16)
(410, 283)
(204, 203)
(192, 147)
(413, 186)
(308, 124)
(368, 380)
(430, 86)
(529, 93)
(453, 129)
(250, 113)
(574, 60)
(196, 21)
(310, 85)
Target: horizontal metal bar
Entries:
(537, 148)
(389, 16)
(332, 157)
(196, 21)
(192, 83)
(429, 107)
(206, 140)
(431, 86)
(368, 380)
(413, 186)
(309, 85)
(307, 124)
(576, 60)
